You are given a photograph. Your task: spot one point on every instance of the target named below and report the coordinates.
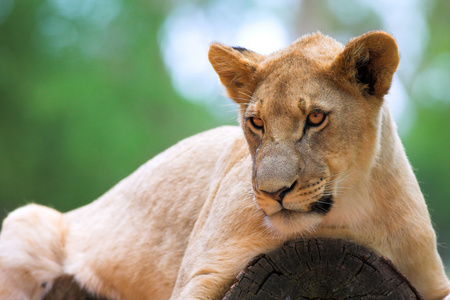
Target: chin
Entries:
(290, 224)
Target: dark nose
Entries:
(279, 195)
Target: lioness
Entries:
(317, 155)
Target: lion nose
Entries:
(279, 195)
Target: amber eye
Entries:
(316, 118)
(258, 123)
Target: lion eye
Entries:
(258, 123)
(316, 118)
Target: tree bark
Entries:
(66, 288)
(303, 269)
(321, 269)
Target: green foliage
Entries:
(427, 147)
(428, 143)
(74, 123)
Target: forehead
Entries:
(292, 89)
(297, 75)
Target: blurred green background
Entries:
(91, 89)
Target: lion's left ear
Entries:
(370, 61)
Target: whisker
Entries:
(245, 94)
(243, 99)
(334, 175)
(249, 95)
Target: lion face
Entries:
(311, 116)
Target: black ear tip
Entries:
(240, 49)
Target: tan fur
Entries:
(185, 223)
(31, 252)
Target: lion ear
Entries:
(236, 68)
(370, 61)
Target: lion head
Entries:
(311, 116)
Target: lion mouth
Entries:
(296, 207)
(323, 205)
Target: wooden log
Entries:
(66, 288)
(303, 269)
(321, 269)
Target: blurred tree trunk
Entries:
(66, 288)
(303, 269)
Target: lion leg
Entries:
(229, 232)
(208, 271)
(31, 252)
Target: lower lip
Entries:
(323, 205)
